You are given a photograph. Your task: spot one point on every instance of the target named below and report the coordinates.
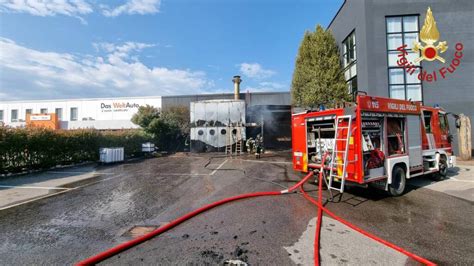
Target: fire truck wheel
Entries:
(397, 188)
(443, 170)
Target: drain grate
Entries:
(137, 231)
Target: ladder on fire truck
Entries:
(339, 157)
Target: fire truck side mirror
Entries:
(450, 138)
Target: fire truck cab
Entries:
(377, 141)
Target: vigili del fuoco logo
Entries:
(430, 50)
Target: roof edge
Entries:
(83, 99)
(337, 13)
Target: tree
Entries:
(169, 128)
(177, 117)
(318, 77)
(172, 127)
(145, 116)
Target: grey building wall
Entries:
(352, 17)
(252, 99)
(455, 23)
(268, 98)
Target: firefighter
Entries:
(250, 144)
(258, 146)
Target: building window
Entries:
(14, 116)
(28, 112)
(43, 111)
(73, 113)
(1, 116)
(59, 113)
(349, 63)
(403, 83)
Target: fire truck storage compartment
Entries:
(372, 146)
(396, 135)
(414, 141)
(376, 128)
(320, 136)
(401, 131)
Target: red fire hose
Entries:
(320, 212)
(126, 245)
(321, 208)
(388, 244)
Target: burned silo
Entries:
(225, 124)
(217, 124)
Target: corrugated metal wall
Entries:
(252, 99)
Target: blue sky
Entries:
(90, 48)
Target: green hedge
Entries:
(23, 149)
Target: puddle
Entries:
(235, 263)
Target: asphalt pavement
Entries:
(132, 198)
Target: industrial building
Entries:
(115, 113)
(217, 120)
(402, 50)
(224, 124)
(104, 113)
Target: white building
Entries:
(103, 113)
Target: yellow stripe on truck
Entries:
(305, 162)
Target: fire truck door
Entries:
(427, 117)
(414, 140)
(444, 130)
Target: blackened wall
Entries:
(455, 23)
(276, 121)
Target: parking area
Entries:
(118, 202)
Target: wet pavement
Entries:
(139, 196)
(19, 189)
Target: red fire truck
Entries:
(375, 140)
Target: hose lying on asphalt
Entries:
(126, 245)
(321, 208)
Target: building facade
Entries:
(381, 44)
(116, 113)
(105, 113)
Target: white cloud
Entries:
(255, 70)
(78, 8)
(121, 51)
(73, 8)
(267, 87)
(131, 7)
(273, 85)
(28, 73)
